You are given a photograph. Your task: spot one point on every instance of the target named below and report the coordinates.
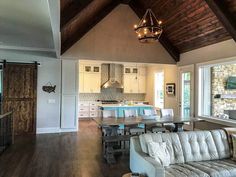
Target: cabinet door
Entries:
(127, 84)
(134, 82)
(92, 83)
(142, 84)
(142, 71)
(130, 83)
(81, 82)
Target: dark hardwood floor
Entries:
(61, 155)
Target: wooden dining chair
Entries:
(157, 128)
(107, 130)
(133, 129)
(168, 113)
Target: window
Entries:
(215, 99)
(159, 89)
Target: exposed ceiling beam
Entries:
(224, 15)
(171, 49)
(77, 27)
(70, 8)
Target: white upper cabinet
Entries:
(89, 78)
(134, 79)
(92, 83)
(130, 83)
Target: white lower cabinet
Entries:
(88, 110)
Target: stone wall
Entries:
(219, 75)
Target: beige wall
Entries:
(170, 74)
(220, 50)
(113, 39)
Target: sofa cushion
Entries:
(172, 142)
(159, 152)
(184, 170)
(198, 146)
(221, 142)
(215, 168)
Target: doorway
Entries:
(186, 97)
(159, 89)
(20, 96)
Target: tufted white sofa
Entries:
(193, 154)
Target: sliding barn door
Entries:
(19, 95)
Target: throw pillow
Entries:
(159, 152)
(233, 136)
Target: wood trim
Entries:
(171, 49)
(223, 14)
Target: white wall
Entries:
(170, 74)
(220, 50)
(113, 39)
(48, 114)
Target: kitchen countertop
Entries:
(121, 105)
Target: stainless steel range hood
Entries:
(112, 81)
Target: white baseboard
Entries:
(55, 130)
(48, 130)
(64, 130)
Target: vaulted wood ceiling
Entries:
(187, 24)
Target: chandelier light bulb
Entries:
(159, 22)
(135, 26)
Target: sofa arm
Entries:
(142, 163)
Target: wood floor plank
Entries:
(61, 155)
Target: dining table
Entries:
(146, 120)
(113, 124)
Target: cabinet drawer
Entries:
(93, 114)
(85, 114)
(93, 104)
(83, 104)
(93, 108)
(83, 109)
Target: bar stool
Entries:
(158, 128)
(168, 113)
(133, 129)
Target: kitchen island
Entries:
(119, 108)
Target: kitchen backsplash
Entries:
(111, 93)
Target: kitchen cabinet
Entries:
(88, 109)
(141, 84)
(89, 78)
(92, 83)
(134, 79)
(130, 83)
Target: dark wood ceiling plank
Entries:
(172, 50)
(196, 30)
(220, 35)
(76, 28)
(187, 16)
(200, 34)
(224, 15)
(182, 27)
